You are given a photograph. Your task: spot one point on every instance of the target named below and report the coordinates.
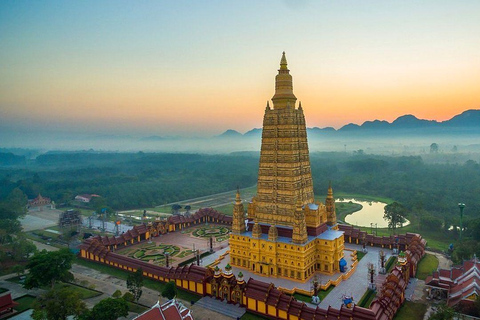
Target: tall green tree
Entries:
(395, 215)
(47, 267)
(108, 309)
(58, 304)
(169, 290)
(135, 284)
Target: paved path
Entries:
(443, 261)
(230, 311)
(358, 282)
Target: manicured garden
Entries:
(218, 232)
(155, 253)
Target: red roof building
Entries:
(171, 310)
(7, 304)
(460, 284)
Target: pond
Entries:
(372, 212)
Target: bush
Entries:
(128, 296)
(117, 294)
(169, 291)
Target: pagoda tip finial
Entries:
(283, 61)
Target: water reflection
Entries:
(372, 212)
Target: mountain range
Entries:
(467, 121)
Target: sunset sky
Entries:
(201, 67)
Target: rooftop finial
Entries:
(283, 62)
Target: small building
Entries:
(40, 202)
(86, 198)
(460, 285)
(70, 218)
(171, 310)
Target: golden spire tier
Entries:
(288, 235)
(284, 172)
(284, 96)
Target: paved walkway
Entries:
(228, 310)
(443, 261)
(358, 282)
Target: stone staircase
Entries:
(229, 310)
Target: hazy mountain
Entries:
(469, 118)
(152, 138)
(466, 122)
(230, 134)
(256, 132)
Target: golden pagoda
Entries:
(288, 234)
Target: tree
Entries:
(395, 215)
(58, 304)
(45, 268)
(434, 148)
(108, 309)
(175, 208)
(18, 269)
(117, 294)
(443, 312)
(135, 283)
(22, 248)
(170, 290)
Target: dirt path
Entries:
(443, 261)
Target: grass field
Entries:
(84, 293)
(426, 266)
(367, 298)
(321, 294)
(250, 316)
(410, 310)
(133, 307)
(121, 274)
(24, 303)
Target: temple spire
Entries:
(330, 207)
(283, 62)
(283, 97)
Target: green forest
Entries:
(429, 190)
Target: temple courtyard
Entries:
(180, 245)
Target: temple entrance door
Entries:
(261, 269)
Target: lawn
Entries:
(410, 310)
(360, 255)
(367, 298)
(136, 308)
(226, 209)
(345, 208)
(390, 263)
(250, 316)
(24, 303)
(425, 267)
(84, 293)
(149, 283)
(321, 294)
